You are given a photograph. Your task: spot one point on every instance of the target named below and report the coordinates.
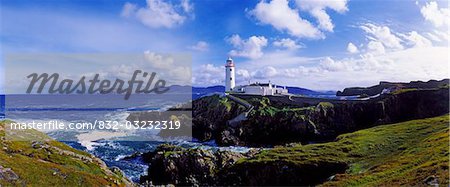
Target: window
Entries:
(231, 78)
(231, 69)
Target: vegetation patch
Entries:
(52, 163)
(409, 153)
(399, 91)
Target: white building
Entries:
(229, 75)
(252, 89)
(261, 89)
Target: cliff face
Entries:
(210, 116)
(269, 124)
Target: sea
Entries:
(110, 146)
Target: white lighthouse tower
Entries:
(229, 75)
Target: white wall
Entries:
(229, 78)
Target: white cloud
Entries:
(351, 48)
(318, 10)
(416, 40)
(299, 71)
(209, 68)
(187, 7)
(433, 37)
(208, 75)
(331, 65)
(283, 18)
(445, 35)
(159, 61)
(200, 46)
(367, 69)
(339, 6)
(265, 73)
(382, 34)
(287, 43)
(128, 9)
(437, 16)
(243, 73)
(249, 48)
(375, 47)
(158, 13)
(323, 19)
(168, 66)
(243, 76)
(405, 65)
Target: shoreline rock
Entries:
(170, 164)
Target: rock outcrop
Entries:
(313, 120)
(171, 164)
(278, 120)
(8, 174)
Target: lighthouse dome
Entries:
(229, 62)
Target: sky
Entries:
(320, 45)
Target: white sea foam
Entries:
(88, 139)
(120, 157)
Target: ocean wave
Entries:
(120, 157)
(89, 139)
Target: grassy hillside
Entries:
(50, 163)
(408, 153)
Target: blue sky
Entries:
(315, 44)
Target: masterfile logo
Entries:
(102, 95)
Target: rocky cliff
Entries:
(271, 123)
(186, 167)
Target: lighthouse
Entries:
(229, 75)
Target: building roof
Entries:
(258, 84)
(229, 62)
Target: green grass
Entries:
(265, 108)
(403, 90)
(396, 154)
(325, 105)
(224, 101)
(52, 164)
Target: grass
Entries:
(215, 102)
(265, 108)
(325, 105)
(403, 90)
(51, 163)
(224, 101)
(405, 153)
